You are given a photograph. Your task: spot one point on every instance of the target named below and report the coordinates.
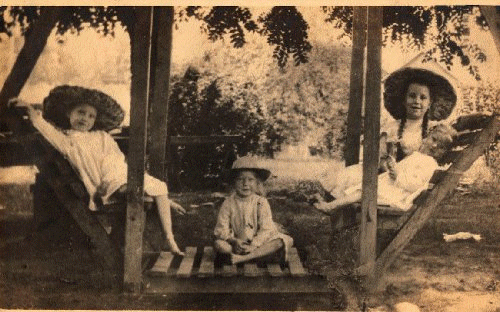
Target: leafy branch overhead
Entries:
(447, 28)
(415, 24)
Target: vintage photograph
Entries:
(244, 157)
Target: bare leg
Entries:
(223, 247)
(163, 204)
(261, 251)
(339, 202)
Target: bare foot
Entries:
(235, 259)
(326, 207)
(174, 248)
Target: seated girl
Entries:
(245, 229)
(407, 179)
(75, 121)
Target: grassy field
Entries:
(54, 269)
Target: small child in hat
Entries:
(75, 121)
(245, 229)
(412, 174)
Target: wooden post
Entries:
(140, 59)
(368, 231)
(356, 86)
(492, 15)
(26, 60)
(437, 194)
(163, 18)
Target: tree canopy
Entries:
(285, 27)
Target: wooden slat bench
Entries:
(197, 273)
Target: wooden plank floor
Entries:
(197, 273)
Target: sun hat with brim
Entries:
(444, 97)
(248, 163)
(62, 99)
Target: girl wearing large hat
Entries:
(75, 121)
(415, 96)
(245, 229)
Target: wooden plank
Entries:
(229, 270)
(492, 15)
(186, 267)
(140, 59)
(356, 86)
(162, 264)
(207, 262)
(29, 54)
(251, 269)
(368, 230)
(88, 223)
(238, 285)
(160, 75)
(275, 270)
(436, 195)
(296, 268)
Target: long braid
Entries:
(425, 123)
(399, 149)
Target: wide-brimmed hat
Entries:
(442, 92)
(248, 163)
(62, 99)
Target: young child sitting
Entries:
(80, 119)
(245, 229)
(410, 176)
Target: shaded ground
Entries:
(54, 269)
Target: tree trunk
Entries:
(26, 60)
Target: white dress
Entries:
(97, 158)
(413, 175)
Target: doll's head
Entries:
(439, 141)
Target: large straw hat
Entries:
(62, 99)
(442, 92)
(248, 163)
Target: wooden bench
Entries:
(391, 220)
(196, 272)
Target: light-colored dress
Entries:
(248, 219)
(97, 158)
(413, 175)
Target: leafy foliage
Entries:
(414, 23)
(204, 111)
(284, 27)
(287, 30)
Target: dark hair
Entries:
(425, 121)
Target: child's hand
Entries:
(248, 248)
(17, 102)
(391, 168)
(239, 246)
(177, 208)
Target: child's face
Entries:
(246, 183)
(82, 118)
(417, 101)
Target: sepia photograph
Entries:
(250, 157)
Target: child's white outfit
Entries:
(413, 175)
(248, 219)
(97, 158)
